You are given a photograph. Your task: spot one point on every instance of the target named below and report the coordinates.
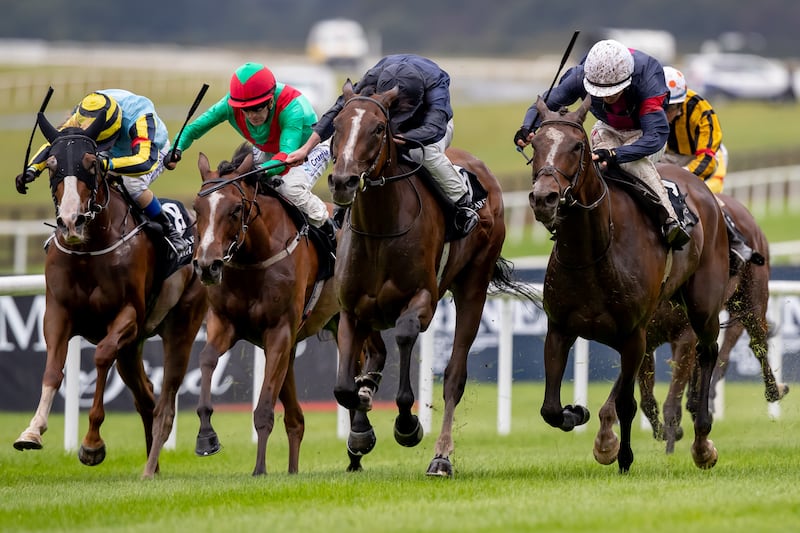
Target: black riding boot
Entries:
(466, 217)
(674, 233)
(339, 213)
(174, 237)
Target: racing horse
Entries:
(393, 264)
(105, 282)
(261, 272)
(609, 270)
(748, 288)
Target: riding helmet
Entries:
(252, 84)
(608, 68)
(99, 106)
(676, 83)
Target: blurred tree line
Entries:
(449, 27)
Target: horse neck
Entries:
(269, 231)
(585, 231)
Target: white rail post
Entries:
(342, 414)
(72, 391)
(581, 371)
(505, 364)
(259, 367)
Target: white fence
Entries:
(36, 284)
(769, 190)
(773, 190)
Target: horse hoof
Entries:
(92, 456)
(606, 454)
(440, 467)
(361, 443)
(207, 445)
(28, 441)
(409, 440)
(707, 457)
(574, 415)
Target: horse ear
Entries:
(203, 164)
(48, 130)
(390, 96)
(246, 164)
(541, 107)
(585, 105)
(347, 89)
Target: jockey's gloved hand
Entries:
(104, 160)
(522, 135)
(172, 158)
(606, 156)
(22, 180)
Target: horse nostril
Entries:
(551, 199)
(79, 221)
(216, 266)
(352, 182)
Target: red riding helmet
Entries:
(252, 84)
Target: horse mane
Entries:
(239, 155)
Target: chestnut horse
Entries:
(608, 272)
(261, 269)
(103, 284)
(393, 264)
(747, 308)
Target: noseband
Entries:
(566, 197)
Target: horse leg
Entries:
(350, 340)
(293, 419)
(131, 369)
(556, 352)
(683, 364)
(703, 451)
(277, 343)
(121, 332)
(647, 378)
(469, 298)
(758, 331)
(416, 317)
(56, 334)
(178, 333)
(362, 437)
(219, 339)
(730, 336)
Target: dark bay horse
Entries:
(261, 274)
(102, 284)
(608, 272)
(748, 290)
(393, 264)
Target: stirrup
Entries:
(675, 235)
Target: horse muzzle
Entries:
(209, 272)
(72, 229)
(343, 188)
(545, 206)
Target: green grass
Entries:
(536, 478)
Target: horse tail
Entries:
(505, 282)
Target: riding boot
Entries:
(329, 229)
(674, 234)
(466, 217)
(174, 237)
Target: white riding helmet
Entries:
(608, 68)
(676, 84)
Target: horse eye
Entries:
(237, 211)
(380, 128)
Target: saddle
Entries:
(649, 201)
(326, 250)
(476, 191)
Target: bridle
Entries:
(566, 197)
(250, 210)
(368, 178)
(74, 166)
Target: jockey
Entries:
(695, 142)
(628, 95)
(276, 119)
(132, 145)
(421, 113)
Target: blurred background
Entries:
(741, 55)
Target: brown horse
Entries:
(609, 270)
(103, 284)
(261, 272)
(747, 307)
(393, 264)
